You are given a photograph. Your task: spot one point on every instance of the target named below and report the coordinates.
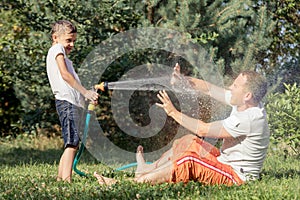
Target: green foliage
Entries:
(288, 73)
(284, 116)
(27, 103)
(10, 33)
(28, 170)
(236, 34)
(286, 34)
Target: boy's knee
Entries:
(71, 147)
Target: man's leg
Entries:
(160, 171)
(102, 180)
(160, 174)
(179, 147)
(143, 168)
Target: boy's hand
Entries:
(91, 95)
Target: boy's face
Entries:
(66, 39)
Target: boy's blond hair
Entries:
(63, 26)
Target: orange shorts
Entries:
(196, 160)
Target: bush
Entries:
(26, 101)
(284, 116)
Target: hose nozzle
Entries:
(102, 86)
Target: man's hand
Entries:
(176, 76)
(166, 103)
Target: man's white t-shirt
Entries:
(246, 151)
(60, 88)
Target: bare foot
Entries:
(104, 180)
(140, 155)
(140, 161)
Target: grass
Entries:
(28, 167)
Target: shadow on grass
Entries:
(17, 156)
(289, 173)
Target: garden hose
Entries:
(103, 87)
(129, 165)
(91, 108)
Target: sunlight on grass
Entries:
(29, 166)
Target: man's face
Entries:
(67, 40)
(238, 91)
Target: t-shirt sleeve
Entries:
(58, 49)
(237, 125)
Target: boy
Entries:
(68, 91)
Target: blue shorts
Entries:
(69, 121)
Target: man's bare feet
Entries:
(140, 161)
(140, 155)
(104, 180)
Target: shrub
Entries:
(284, 116)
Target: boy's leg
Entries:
(66, 164)
(68, 116)
(60, 168)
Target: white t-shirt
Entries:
(246, 152)
(60, 88)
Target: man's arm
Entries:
(207, 88)
(204, 87)
(202, 129)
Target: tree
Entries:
(24, 51)
(10, 33)
(234, 32)
(237, 35)
(281, 61)
(286, 36)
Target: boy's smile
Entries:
(67, 40)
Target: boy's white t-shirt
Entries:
(246, 152)
(60, 88)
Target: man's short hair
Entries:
(257, 84)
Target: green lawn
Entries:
(28, 170)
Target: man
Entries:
(245, 137)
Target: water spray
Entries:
(103, 86)
(154, 84)
(147, 84)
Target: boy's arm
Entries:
(69, 78)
